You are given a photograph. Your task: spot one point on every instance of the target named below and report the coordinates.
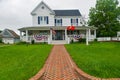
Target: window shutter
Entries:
(71, 20)
(61, 22)
(55, 21)
(38, 20)
(47, 20)
(76, 20)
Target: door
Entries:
(58, 35)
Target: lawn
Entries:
(100, 59)
(21, 62)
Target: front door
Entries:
(59, 35)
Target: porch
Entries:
(61, 35)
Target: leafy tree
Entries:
(106, 17)
(0, 31)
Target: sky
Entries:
(15, 14)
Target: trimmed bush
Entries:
(82, 40)
(21, 43)
(32, 42)
(72, 41)
(95, 40)
(0, 40)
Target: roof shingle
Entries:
(13, 33)
(67, 13)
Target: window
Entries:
(46, 20)
(43, 20)
(58, 22)
(74, 22)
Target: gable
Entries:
(42, 8)
(5, 33)
(9, 34)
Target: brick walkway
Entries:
(59, 66)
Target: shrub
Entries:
(21, 43)
(82, 40)
(95, 40)
(72, 41)
(0, 40)
(32, 42)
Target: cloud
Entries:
(15, 14)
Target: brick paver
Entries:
(59, 66)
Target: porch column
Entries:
(95, 33)
(50, 35)
(26, 35)
(66, 34)
(87, 36)
(20, 35)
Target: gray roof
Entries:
(67, 13)
(7, 33)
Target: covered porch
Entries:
(57, 34)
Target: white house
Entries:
(51, 26)
(9, 37)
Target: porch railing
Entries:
(44, 38)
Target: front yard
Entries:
(21, 62)
(100, 59)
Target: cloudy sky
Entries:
(15, 14)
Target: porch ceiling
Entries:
(56, 28)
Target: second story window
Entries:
(43, 20)
(58, 22)
(74, 22)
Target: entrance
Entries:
(60, 35)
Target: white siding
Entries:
(8, 40)
(43, 12)
(66, 20)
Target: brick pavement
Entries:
(59, 66)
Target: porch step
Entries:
(59, 42)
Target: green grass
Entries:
(98, 59)
(21, 62)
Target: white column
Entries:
(20, 35)
(50, 35)
(66, 34)
(26, 35)
(87, 36)
(95, 33)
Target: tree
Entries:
(0, 31)
(106, 17)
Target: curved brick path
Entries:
(59, 66)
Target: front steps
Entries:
(59, 42)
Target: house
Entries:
(51, 26)
(118, 34)
(9, 37)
